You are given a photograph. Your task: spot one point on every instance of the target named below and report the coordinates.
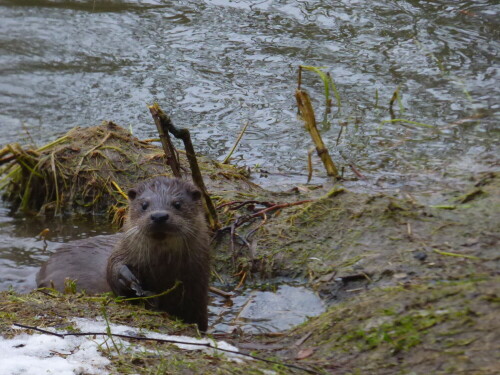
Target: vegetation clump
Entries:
(87, 171)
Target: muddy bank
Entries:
(345, 240)
(410, 287)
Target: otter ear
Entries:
(195, 195)
(132, 193)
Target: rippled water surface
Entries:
(215, 65)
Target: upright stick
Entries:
(165, 123)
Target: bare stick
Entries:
(235, 205)
(166, 142)
(220, 292)
(166, 123)
(245, 218)
(309, 165)
(394, 97)
(356, 172)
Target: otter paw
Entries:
(129, 283)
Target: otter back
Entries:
(84, 261)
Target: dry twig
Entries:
(183, 134)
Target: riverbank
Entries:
(410, 288)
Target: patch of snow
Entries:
(99, 325)
(46, 354)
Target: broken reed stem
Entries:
(53, 165)
(4, 151)
(299, 78)
(7, 159)
(226, 159)
(9, 149)
(25, 159)
(185, 136)
(166, 142)
(393, 98)
(307, 112)
(309, 164)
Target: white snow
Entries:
(45, 354)
(85, 325)
(38, 354)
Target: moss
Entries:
(413, 321)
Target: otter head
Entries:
(163, 208)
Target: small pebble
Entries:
(419, 255)
(400, 275)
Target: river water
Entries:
(216, 65)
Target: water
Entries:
(255, 311)
(215, 65)
(22, 251)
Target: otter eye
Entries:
(177, 205)
(145, 206)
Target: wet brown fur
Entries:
(83, 261)
(178, 253)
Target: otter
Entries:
(84, 261)
(165, 240)
(164, 246)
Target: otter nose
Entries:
(159, 217)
